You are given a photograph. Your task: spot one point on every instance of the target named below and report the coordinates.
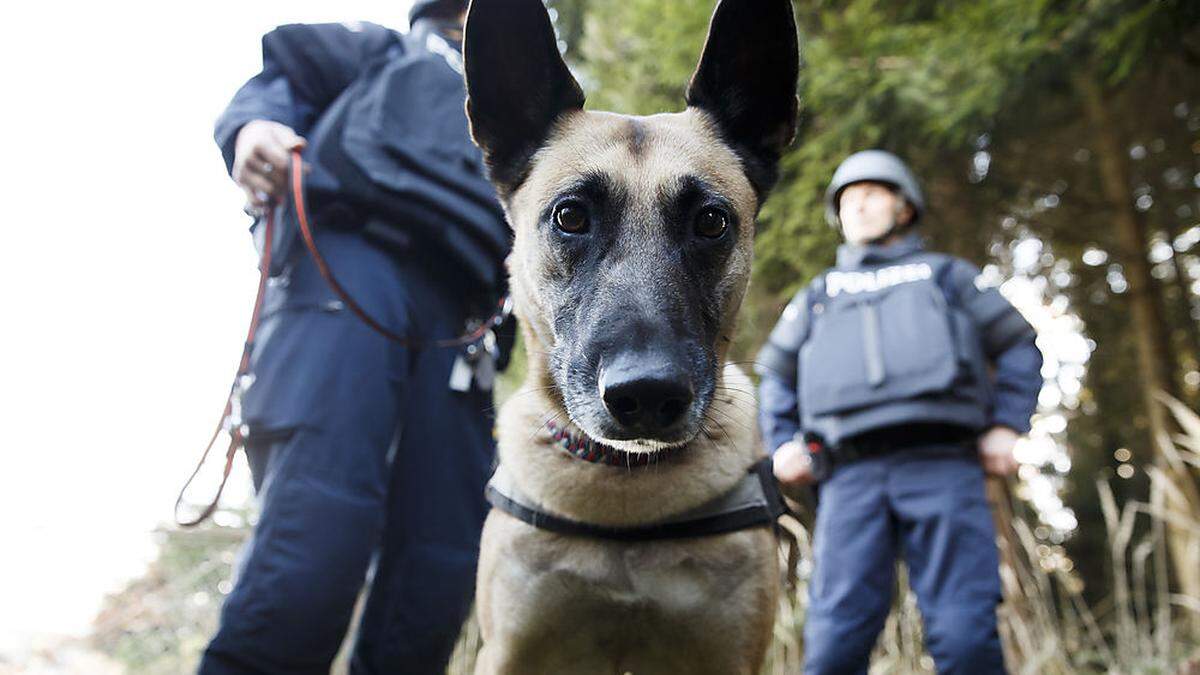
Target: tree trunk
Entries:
(1191, 328)
(1156, 360)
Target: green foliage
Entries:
(637, 55)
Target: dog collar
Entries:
(593, 451)
(754, 502)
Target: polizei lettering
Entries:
(885, 277)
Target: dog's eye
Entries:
(570, 217)
(711, 223)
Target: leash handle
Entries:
(235, 434)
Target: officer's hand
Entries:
(261, 158)
(996, 451)
(793, 466)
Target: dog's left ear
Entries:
(517, 84)
(747, 81)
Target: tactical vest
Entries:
(888, 345)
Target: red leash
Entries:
(235, 432)
(236, 436)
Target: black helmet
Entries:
(876, 166)
(421, 8)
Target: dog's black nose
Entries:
(645, 394)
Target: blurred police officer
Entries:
(895, 381)
(366, 453)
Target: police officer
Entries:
(367, 454)
(895, 382)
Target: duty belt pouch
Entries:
(874, 348)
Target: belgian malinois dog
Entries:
(632, 252)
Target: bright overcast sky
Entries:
(127, 278)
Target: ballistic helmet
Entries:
(422, 8)
(877, 166)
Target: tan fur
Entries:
(554, 604)
(676, 144)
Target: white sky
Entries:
(127, 279)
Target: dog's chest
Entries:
(657, 580)
(552, 603)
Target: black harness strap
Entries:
(722, 522)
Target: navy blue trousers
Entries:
(928, 505)
(360, 454)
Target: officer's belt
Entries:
(902, 437)
(754, 502)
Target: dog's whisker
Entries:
(739, 420)
(738, 396)
(741, 406)
(523, 391)
(749, 389)
(719, 426)
(544, 423)
(732, 419)
(731, 387)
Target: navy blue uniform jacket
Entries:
(388, 140)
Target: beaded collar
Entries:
(591, 451)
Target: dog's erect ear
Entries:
(517, 84)
(747, 81)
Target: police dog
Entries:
(632, 252)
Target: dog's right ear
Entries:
(746, 80)
(517, 84)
